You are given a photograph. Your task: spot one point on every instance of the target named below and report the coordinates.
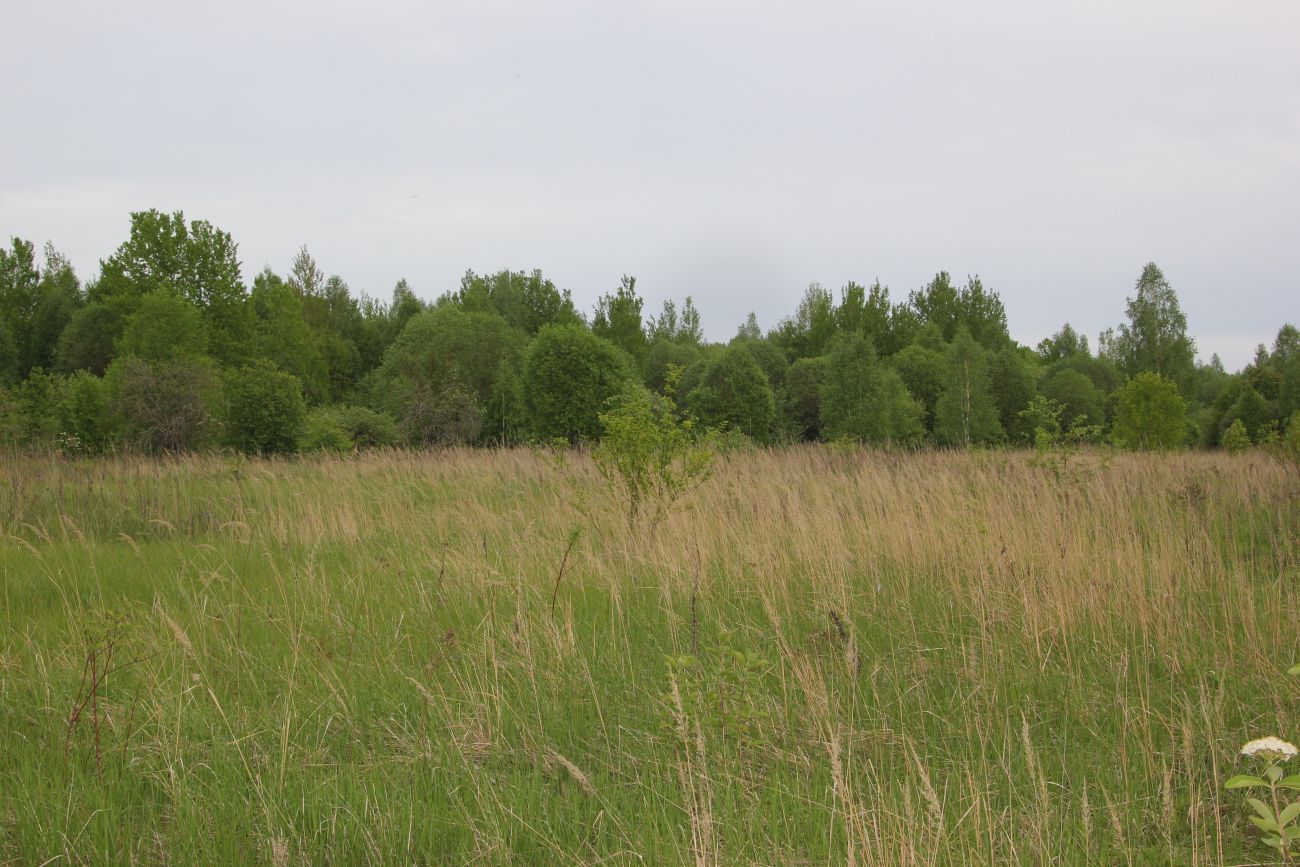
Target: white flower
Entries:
(1274, 749)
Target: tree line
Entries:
(167, 349)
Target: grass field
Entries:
(939, 658)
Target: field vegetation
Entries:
(824, 654)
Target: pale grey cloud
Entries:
(732, 151)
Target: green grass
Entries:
(358, 662)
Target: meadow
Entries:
(468, 657)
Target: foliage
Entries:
(527, 302)
(802, 400)
(165, 327)
(618, 319)
(164, 406)
(732, 391)
(1155, 339)
(965, 414)
(722, 692)
(1077, 394)
(649, 455)
(1235, 438)
(448, 417)
(1055, 446)
(664, 354)
(1274, 818)
(1149, 413)
(864, 400)
(347, 428)
(265, 410)
(923, 371)
(569, 376)
(1013, 382)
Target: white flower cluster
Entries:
(1270, 747)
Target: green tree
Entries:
(1077, 395)
(618, 319)
(864, 399)
(196, 260)
(865, 311)
(923, 371)
(1235, 438)
(683, 328)
(1013, 382)
(569, 376)
(1149, 413)
(972, 307)
(35, 307)
(83, 412)
(663, 355)
(443, 355)
(282, 336)
(769, 357)
(265, 409)
(164, 327)
(87, 342)
(651, 456)
(809, 332)
(1253, 411)
(527, 302)
(19, 293)
(1155, 338)
(802, 406)
(966, 414)
(1064, 344)
(733, 391)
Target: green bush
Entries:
(570, 375)
(1235, 438)
(164, 407)
(864, 400)
(733, 392)
(1149, 414)
(344, 428)
(265, 410)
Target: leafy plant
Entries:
(1055, 448)
(1275, 820)
(1235, 438)
(649, 455)
(722, 690)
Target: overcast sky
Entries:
(735, 152)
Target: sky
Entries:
(734, 152)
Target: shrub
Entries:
(164, 407)
(1149, 413)
(1235, 438)
(265, 410)
(344, 428)
(734, 392)
(569, 376)
(864, 400)
(649, 455)
(449, 417)
(83, 412)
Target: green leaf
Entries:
(1243, 781)
(1275, 842)
(1291, 782)
(1262, 808)
(1273, 774)
(1264, 824)
(1289, 813)
(1295, 669)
